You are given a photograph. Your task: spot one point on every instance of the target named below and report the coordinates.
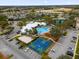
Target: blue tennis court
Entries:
(40, 45)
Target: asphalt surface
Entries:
(65, 42)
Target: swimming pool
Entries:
(40, 45)
(41, 30)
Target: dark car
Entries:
(69, 53)
(74, 38)
(18, 32)
(10, 40)
(70, 49)
(21, 47)
(18, 42)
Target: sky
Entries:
(39, 2)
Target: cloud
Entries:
(38, 2)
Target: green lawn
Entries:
(77, 51)
(76, 56)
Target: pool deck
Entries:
(51, 36)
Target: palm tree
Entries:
(55, 32)
(34, 31)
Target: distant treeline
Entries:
(42, 6)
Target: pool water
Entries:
(41, 30)
(40, 45)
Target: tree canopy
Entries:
(3, 18)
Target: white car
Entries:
(26, 49)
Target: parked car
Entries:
(70, 48)
(18, 42)
(10, 40)
(69, 53)
(18, 32)
(21, 47)
(26, 49)
(74, 38)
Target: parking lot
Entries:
(23, 51)
(64, 43)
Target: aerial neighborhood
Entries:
(39, 32)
